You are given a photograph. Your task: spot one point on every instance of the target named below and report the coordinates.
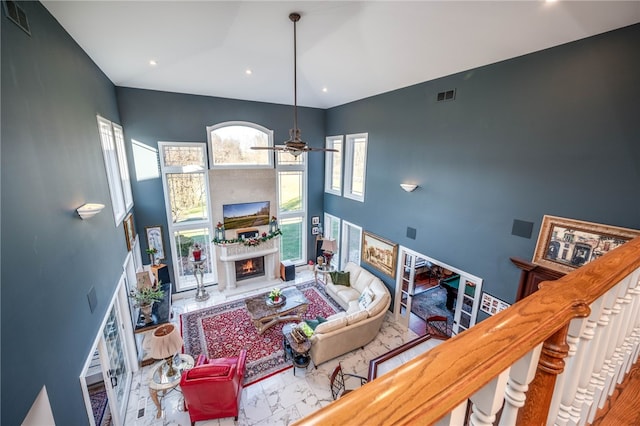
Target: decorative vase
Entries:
(146, 312)
(276, 299)
(196, 255)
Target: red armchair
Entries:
(212, 388)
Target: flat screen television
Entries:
(245, 215)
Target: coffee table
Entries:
(265, 316)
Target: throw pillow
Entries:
(365, 300)
(340, 278)
(306, 328)
(313, 323)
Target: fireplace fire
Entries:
(249, 268)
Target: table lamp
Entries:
(165, 343)
(328, 248)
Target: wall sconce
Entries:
(89, 210)
(409, 187)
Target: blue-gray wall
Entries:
(51, 164)
(151, 117)
(555, 132)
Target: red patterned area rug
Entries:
(223, 330)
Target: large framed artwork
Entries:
(566, 244)
(129, 231)
(380, 253)
(154, 240)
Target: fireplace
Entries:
(249, 268)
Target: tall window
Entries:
(292, 205)
(115, 161)
(355, 166)
(186, 194)
(351, 243)
(333, 166)
(231, 144)
(332, 231)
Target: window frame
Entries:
(345, 243)
(329, 166)
(116, 165)
(172, 228)
(349, 166)
(270, 155)
(299, 165)
(330, 219)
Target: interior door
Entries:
(405, 287)
(467, 303)
(115, 364)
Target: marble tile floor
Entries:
(278, 400)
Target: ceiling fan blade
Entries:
(271, 148)
(320, 149)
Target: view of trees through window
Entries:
(231, 146)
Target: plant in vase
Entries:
(275, 295)
(152, 251)
(145, 297)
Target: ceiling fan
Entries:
(294, 146)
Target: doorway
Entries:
(434, 291)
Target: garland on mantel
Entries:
(250, 242)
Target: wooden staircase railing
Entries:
(551, 358)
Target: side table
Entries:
(324, 270)
(198, 267)
(299, 352)
(160, 382)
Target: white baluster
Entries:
(455, 417)
(488, 400)
(515, 394)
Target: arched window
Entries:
(230, 145)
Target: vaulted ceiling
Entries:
(351, 49)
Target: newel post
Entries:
(540, 393)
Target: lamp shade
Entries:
(329, 245)
(165, 342)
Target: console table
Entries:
(161, 314)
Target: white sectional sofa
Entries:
(346, 331)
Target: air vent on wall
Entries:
(448, 95)
(15, 13)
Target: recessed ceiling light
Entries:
(325, 90)
(248, 71)
(153, 62)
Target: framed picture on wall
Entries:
(566, 244)
(315, 230)
(129, 231)
(380, 253)
(155, 240)
(315, 220)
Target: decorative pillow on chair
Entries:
(208, 370)
(340, 278)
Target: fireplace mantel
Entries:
(228, 254)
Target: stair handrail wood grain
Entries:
(427, 388)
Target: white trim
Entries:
(123, 164)
(268, 132)
(330, 143)
(348, 166)
(112, 168)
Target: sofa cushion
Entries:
(208, 370)
(329, 326)
(340, 278)
(337, 315)
(353, 270)
(348, 294)
(378, 304)
(353, 307)
(364, 279)
(357, 317)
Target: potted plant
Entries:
(275, 295)
(151, 251)
(145, 297)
